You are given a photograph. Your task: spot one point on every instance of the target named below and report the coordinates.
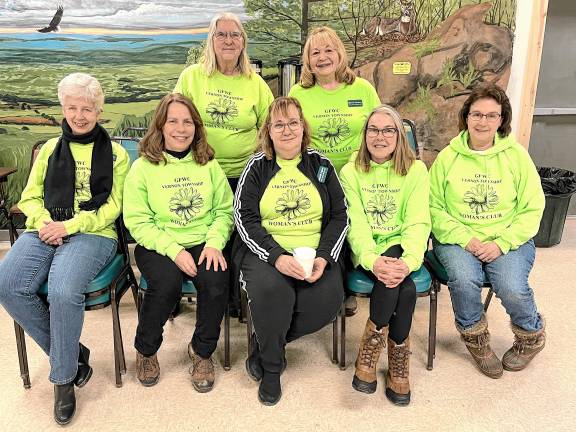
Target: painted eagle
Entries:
(53, 26)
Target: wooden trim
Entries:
(529, 40)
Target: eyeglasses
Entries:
(490, 117)
(388, 132)
(234, 35)
(294, 125)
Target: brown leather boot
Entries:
(477, 340)
(202, 371)
(397, 382)
(525, 347)
(372, 343)
(147, 369)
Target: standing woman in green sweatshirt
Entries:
(71, 200)
(231, 98)
(387, 191)
(486, 203)
(178, 208)
(335, 102)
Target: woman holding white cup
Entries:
(289, 209)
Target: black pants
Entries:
(165, 289)
(393, 306)
(284, 309)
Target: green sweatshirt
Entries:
(291, 207)
(336, 117)
(493, 195)
(98, 222)
(232, 109)
(387, 209)
(177, 205)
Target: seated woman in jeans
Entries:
(486, 202)
(71, 200)
(387, 192)
(178, 208)
(288, 196)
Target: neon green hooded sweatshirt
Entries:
(172, 206)
(493, 195)
(387, 209)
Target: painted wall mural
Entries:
(423, 56)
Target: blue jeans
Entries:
(508, 275)
(69, 269)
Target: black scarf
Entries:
(60, 180)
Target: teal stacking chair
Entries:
(360, 285)
(106, 289)
(189, 291)
(129, 139)
(439, 278)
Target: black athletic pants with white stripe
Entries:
(284, 309)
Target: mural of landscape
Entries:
(423, 56)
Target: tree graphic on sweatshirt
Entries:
(186, 203)
(381, 207)
(333, 131)
(481, 198)
(293, 203)
(222, 110)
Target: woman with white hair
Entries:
(232, 99)
(71, 200)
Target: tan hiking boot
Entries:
(371, 345)
(397, 382)
(147, 369)
(202, 371)
(477, 340)
(525, 347)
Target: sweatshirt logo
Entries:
(186, 203)
(382, 208)
(333, 131)
(82, 185)
(293, 203)
(222, 110)
(481, 198)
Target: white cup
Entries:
(305, 256)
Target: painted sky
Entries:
(116, 14)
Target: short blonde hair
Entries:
(82, 85)
(402, 157)
(208, 59)
(325, 36)
(280, 107)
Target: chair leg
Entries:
(342, 337)
(119, 360)
(133, 285)
(432, 324)
(335, 340)
(227, 339)
(22, 355)
(488, 299)
(249, 328)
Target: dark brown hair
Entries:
(488, 91)
(152, 144)
(402, 157)
(280, 106)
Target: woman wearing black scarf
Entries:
(71, 200)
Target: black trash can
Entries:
(558, 185)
